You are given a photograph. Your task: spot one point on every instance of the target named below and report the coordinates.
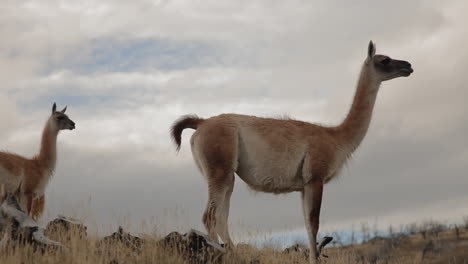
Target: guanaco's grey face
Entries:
(386, 67)
(61, 120)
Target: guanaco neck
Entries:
(48, 152)
(352, 130)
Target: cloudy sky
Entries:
(128, 69)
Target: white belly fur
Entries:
(267, 169)
(40, 190)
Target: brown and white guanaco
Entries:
(282, 155)
(30, 176)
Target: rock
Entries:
(196, 246)
(306, 251)
(64, 228)
(126, 239)
(198, 241)
(297, 248)
(173, 240)
(18, 227)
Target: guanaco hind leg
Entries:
(37, 207)
(311, 203)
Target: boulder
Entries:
(120, 237)
(64, 228)
(196, 246)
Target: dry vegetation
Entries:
(430, 242)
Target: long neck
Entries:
(48, 152)
(352, 130)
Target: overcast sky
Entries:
(128, 69)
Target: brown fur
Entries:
(34, 170)
(37, 207)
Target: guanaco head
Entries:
(61, 120)
(385, 67)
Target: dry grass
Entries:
(443, 246)
(446, 246)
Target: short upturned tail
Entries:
(188, 121)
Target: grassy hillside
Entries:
(428, 243)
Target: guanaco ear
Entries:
(63, 110)
(371, 49)
(54, 108)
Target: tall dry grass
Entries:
(429, 242)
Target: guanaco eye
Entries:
(60, 117)
(385, 61)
